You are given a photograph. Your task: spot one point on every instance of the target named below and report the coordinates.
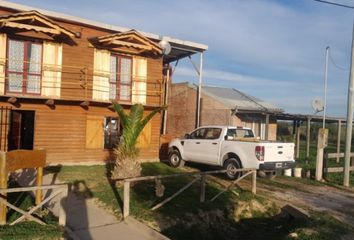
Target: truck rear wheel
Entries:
(175, 160)
(231, 166)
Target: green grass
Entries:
(309, 163)
(26, 229)
(186, 218)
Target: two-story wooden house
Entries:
(59, 75)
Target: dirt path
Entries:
(336, 201)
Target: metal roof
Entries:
(237, 100)
(180, 48)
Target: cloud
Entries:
(271, 49)
(210, 75)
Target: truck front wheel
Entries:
(175, 159)
(231, 166)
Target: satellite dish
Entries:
(166, 47)
(317, 105)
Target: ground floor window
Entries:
(111, 132)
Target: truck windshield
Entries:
(239, 133)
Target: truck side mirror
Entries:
(187, 136)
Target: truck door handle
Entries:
(214, 143)
(197, 143)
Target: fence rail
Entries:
(335, 169)
(61, 189)
(200, 176)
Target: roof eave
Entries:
(198, 47)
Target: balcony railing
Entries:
(77, 83)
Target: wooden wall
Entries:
(80, 55)
(62, 132)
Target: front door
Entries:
(21, 130)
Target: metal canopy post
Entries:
(200, 88)
(199, 92)
(308, 136)
(267, 127)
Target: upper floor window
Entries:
(24, 67)
(120, 80)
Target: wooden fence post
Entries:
(62, 211)
(321, 144)
(254, 181)
(202, 187)
(39, 181)
(126, 199)
(3, 184)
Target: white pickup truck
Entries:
(231, 148)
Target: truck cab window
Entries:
(213, 133)
(198, 134)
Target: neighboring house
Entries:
(219, 106)
(59, 74)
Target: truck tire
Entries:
(175, 160)
(230, 165)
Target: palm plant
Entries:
(126, 164)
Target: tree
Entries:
(126, 163)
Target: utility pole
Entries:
(348, 133)
(325, 88)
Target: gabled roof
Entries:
(237, 100)
(132, 41)
(180, 48)
(33, 20)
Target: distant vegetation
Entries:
(285, 132)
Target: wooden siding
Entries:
(62, 132)
(80, 55)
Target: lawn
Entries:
(231, 216)
(26, 229)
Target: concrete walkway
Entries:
(87, 221)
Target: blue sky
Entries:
(271, 49)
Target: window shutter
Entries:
(139, 80)
(101, 73)
(94, 132)
(52, 67)
(144, 139)
(3, 41)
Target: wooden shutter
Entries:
(3, 41)
(52, 67)
(101, 73)
(139, 80)
(94, 132)
(144, 139)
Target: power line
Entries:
(335, 4)
(336, 65)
